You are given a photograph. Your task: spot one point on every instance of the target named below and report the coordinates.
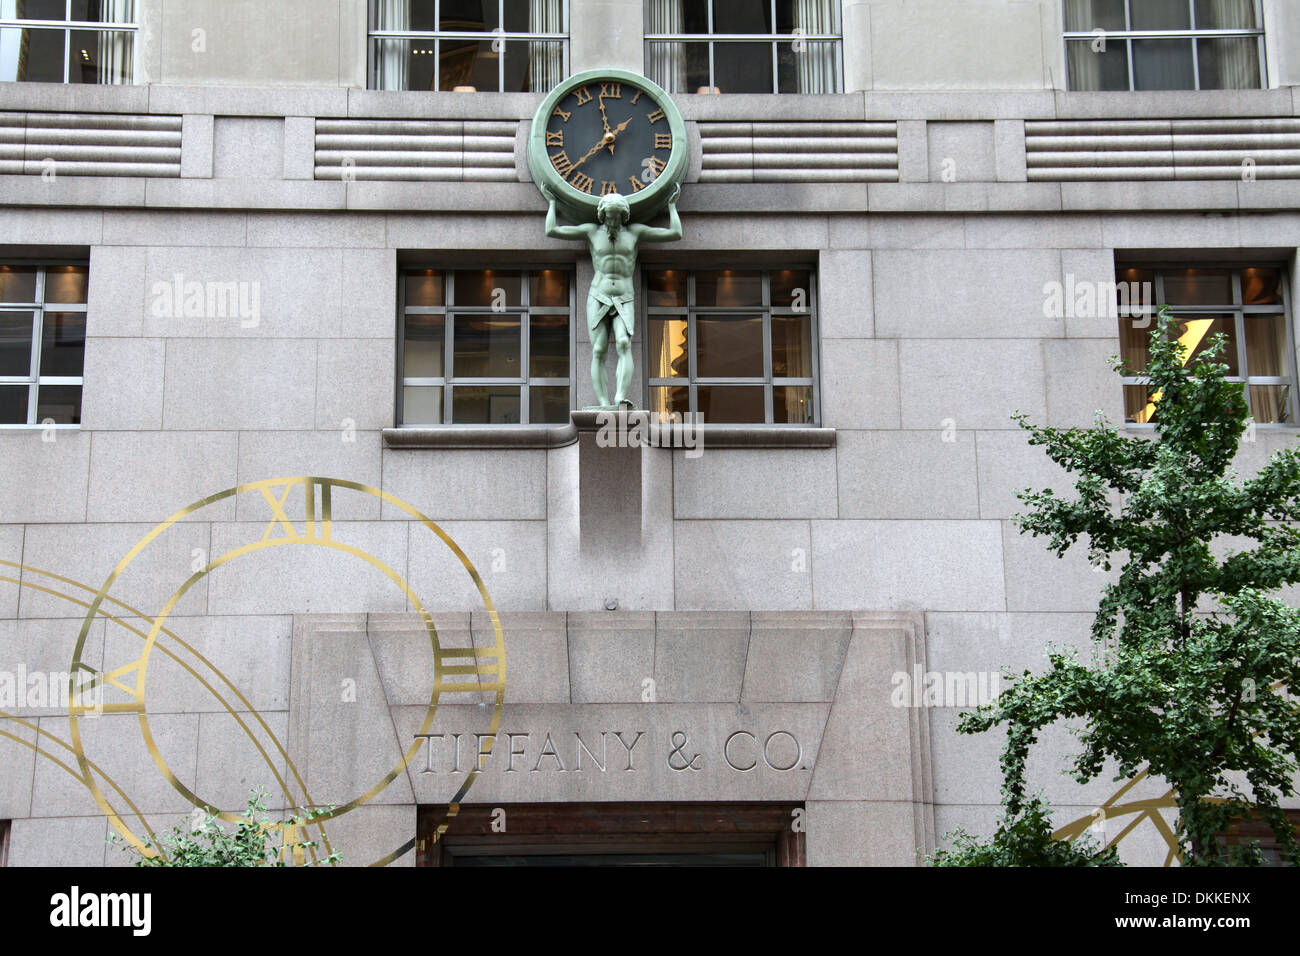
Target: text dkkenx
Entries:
(73, 909)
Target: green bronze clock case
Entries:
(579, 206)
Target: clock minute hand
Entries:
(609, 141)
(591, 152)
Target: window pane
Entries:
(35, 10)
(548, 404)
(486, 346)
(666, 288)
(679, 67)
(1229, 63)
(63, 344)
(1090, 15)
(1139, 404)
(100, 57)
(468, 63)
(807, 68)
(468, 15)
(424, 288)
(491, 288)
(1097, 70)
(729, 346)
(13, 404)
(422, 352)
(1266, 345)
(104, 11)
(791, 346)
(1261, 286)
(17, 283)
(411, 15)
(1135, 293)
(742, 16)
(674, 16)
(668, 344)
(422, 405)
(1225, 15)
(545, 19)
(1271, 404)
(810, 16)
(66, 284)
(1160, 15)
(792, 404)
(742, 67)
(33, 55)
(736, 404)
(549, 287)
(729, 288)
(533, 66)
(670, 399)
(1195, 334)
(1135, 342)
(402, 64)
(16, 343)
(792, 288)
(59, 402)
(1163, 65)
(485, 405)
(1199, 287)
(548, 355)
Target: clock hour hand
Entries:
(609, 137)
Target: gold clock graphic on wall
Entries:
(123, 684)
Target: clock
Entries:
(608, 131)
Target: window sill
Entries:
(712, 435)
(481, 436)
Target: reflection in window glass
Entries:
(729, 346)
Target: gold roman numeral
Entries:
(582, 182)
(563, 165)
(656, 116)
(662, 141)
(318, 523)
(607, 187)
(655, 163)
(636, 184)
(555, 138)
(637, 97)
(559, 112)
(459, 670)
(583, 95)
(611, 91)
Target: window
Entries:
(1248, 304)
(498, 46)
(733, 346)
(4, 842)
(67, 41)
(1164, 44)
(486, 346)
(744, 46)
(42, 342)
(1254, 830)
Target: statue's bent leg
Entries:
(623, 345)
(599, 345)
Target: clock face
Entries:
(607, 135)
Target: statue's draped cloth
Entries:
(621, 304)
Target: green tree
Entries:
(207, 843)
(1191, 649)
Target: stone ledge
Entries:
(482, 436)
(677, 436)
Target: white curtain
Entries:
(392, 63)
(546, 58)
(1238, 57)
(115, 47)
(1084, 66)
(668, 60)
(817, 61)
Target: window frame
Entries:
(769, 381)
(448, 310)
(1239, 313)
(436, 36)
(1128, 35)
(774, 40)
(6, 829)
(68, 26)
(38, 310)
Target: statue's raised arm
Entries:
(673, 232)
(554, 229)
